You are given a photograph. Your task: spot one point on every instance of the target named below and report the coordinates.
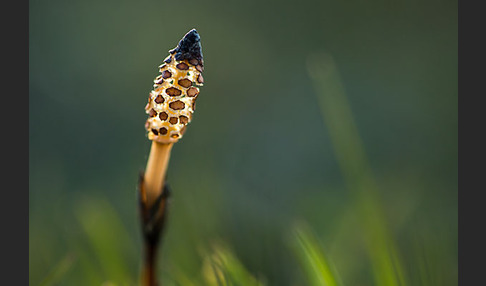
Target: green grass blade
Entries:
(317, 267)
(349, 151)
(222, 267)
(59, 271)
(108, 238)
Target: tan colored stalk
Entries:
(156, 170)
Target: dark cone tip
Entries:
(189, 47)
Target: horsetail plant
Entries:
(170, 108)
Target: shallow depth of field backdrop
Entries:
(339, 116)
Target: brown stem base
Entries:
(152, 220)
(148, 277)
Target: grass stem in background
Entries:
(318, 269)
(386, 266)
(59, 271)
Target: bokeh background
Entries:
(335, 121)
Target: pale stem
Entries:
(156, 169)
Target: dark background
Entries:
(260, 153)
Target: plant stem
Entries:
(156, 170)
(150, 262)
(153, 193)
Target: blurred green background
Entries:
(323, 149)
